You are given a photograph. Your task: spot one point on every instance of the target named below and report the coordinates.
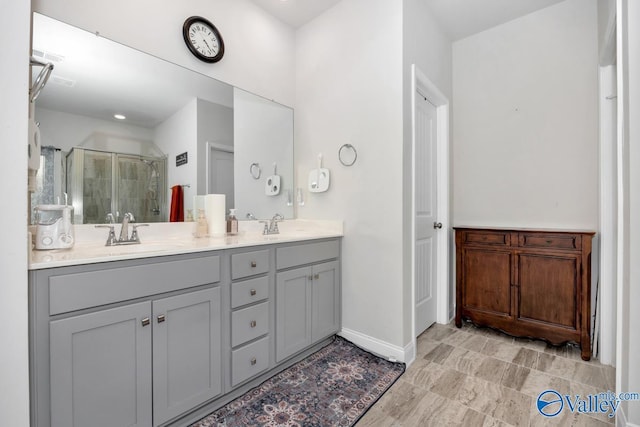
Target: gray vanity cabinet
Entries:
(103, 363)
(186, 352)
(130, 343)
(307, 298)
(101, 368)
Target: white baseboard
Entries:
(381, 348)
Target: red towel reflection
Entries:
(177, 204)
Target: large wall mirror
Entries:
(120, 128)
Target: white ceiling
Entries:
(459, 18)
(295, 12)
(462, 18)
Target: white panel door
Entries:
(425, 213)
(221, 175)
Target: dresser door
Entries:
(549, 287)
(487, 283)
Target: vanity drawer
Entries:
(249, 323)
(70, 292)
(249, 264)
(249, 291)
(550, 240)
(494, 238)
(249, 361)
(292, 256)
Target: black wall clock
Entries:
(203, 39)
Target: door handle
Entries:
(437, 225)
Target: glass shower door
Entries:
(100, 183)
(89, 185)
(139, 187)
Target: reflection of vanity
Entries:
(224, 130)
(165, 337)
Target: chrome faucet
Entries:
(124, 231)
(273, 225)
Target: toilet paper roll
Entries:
(215, 209)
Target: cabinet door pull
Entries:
(254, 264)
(253, 361)
(253, 323)
(145, 321)
(316, 276)
(161, 318)
(253, 292)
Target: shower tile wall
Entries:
(137, 192)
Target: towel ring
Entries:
(255, 170)
(342, 154)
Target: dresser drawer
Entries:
(494, 238)
(249, 323)
(249, 264)
(249, 291)
(249, 361)
(550, 240)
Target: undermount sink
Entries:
(130, 249)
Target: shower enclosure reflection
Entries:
(100, 183)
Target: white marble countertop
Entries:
(161, 239)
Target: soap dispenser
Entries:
(232, 223)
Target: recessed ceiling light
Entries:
(119, 116)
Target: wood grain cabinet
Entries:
(527, 283)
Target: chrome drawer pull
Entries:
(145, 321)
(254, 264)
(253, 323)
(253, 361)
(253, 292)
(161, 318)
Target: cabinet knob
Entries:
(316, 276)
(161, 318)
(252, 292)
(254, 264)
(253, 323)
(253, 361)
(145, 321)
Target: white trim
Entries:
(216, 146)
(420, 81)
(608, 220)
(381, 348)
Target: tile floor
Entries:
(479, 377)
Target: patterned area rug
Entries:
(333, 387)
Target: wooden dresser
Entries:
(526, 283)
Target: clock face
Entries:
(203, 39)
